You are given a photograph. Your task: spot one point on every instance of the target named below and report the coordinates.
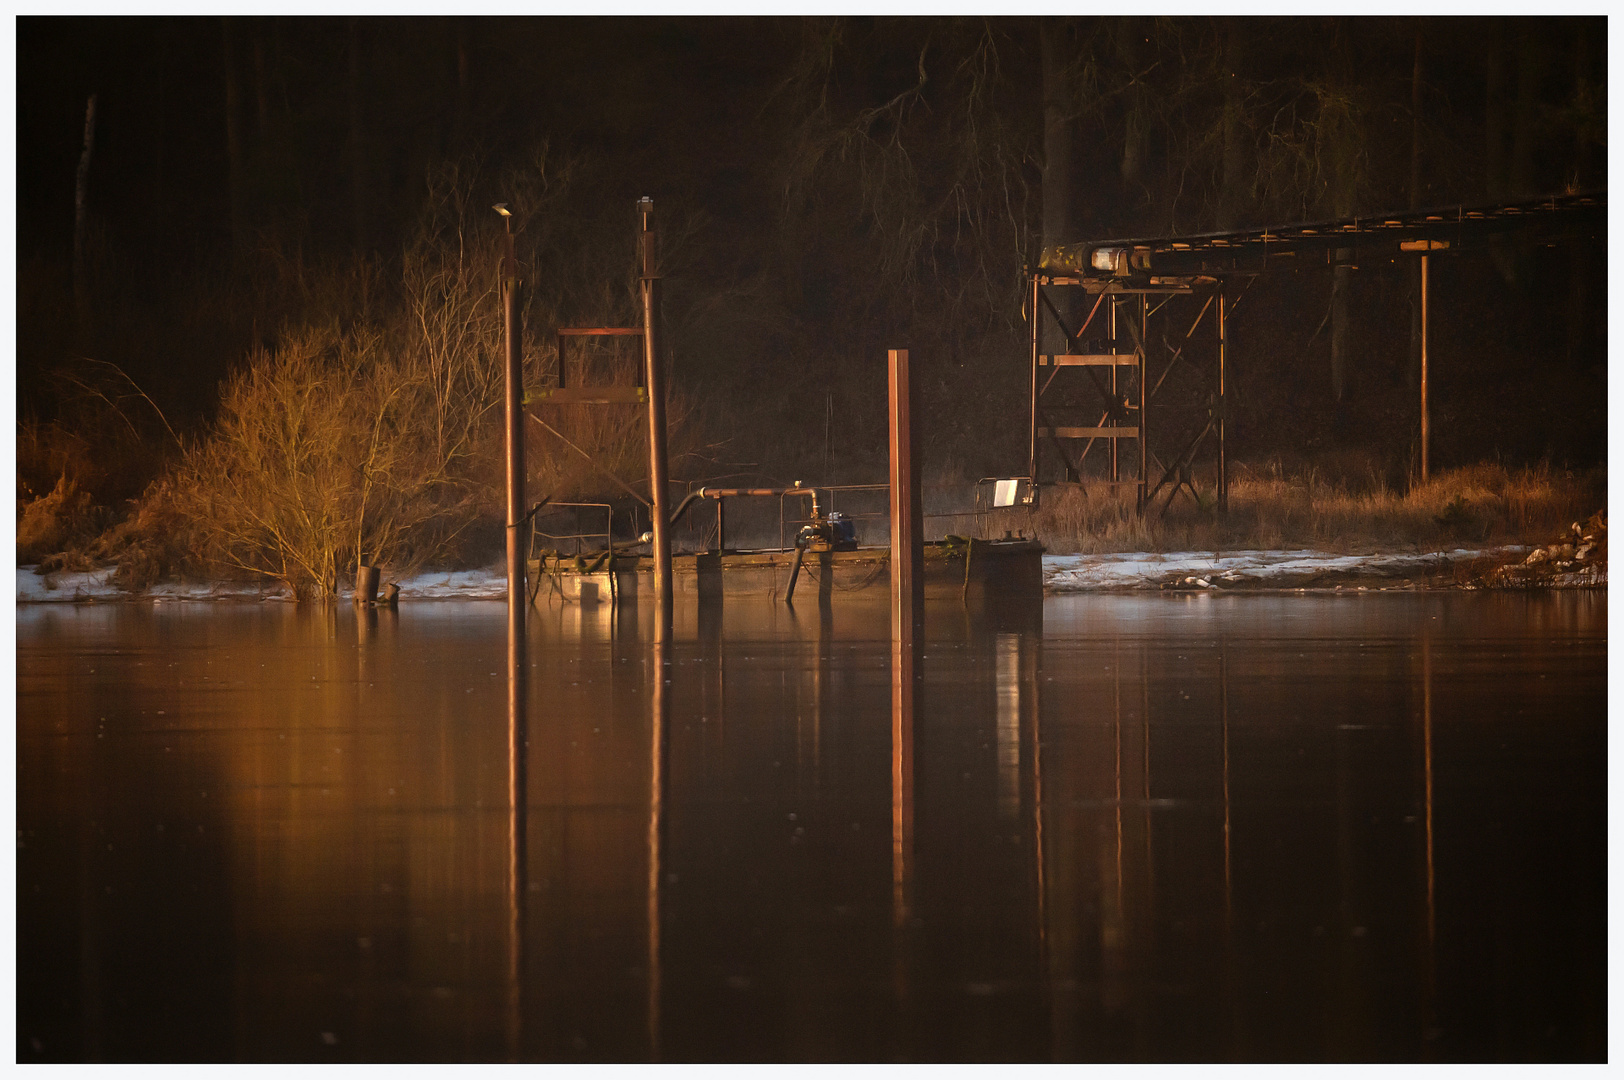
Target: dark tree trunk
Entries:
(236, 174)
(1057, 162)
(1529, 65)
(1579, 287)
(358, 155)
(1494, 114)
(81, 224)
(1136, 116)
(1232, 200)
(1412, 372)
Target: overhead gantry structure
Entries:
(1197, 280)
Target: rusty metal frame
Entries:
(1132, 386)
(1207, 263)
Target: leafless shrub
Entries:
(319, 461)
(377, 440)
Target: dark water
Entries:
(1208, 828)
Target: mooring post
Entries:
(907, 512)
(1424, 422)
(654, 380)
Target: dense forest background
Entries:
(826, 189)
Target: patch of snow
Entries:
(1201, 569)
(484, 584)
(66, 586)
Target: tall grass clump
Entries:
(1271, 506)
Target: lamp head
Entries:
(501, 208)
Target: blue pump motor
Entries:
(842, 531)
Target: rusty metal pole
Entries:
(1223, 407)
(1032, 328)
(1032, 460)
(1144, 400)
(907, 512)
(518, 741)
(514, 422)
(1425, 424)
(1115, 418)
(654, 380)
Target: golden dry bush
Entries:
(320, 459)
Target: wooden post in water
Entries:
(654, 380)
(907, 513)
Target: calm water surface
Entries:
(1106, 828)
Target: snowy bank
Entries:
(64, 586)
(1061, 574)
(1265, 569)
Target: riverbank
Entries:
(1253, 571)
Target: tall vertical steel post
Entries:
(907, 511)
(1223, 405)
(654, 380)
(1034, 300)
(514, 421)
(907, 628)
(1115, 417)
(1425, 425)
(1144, 400)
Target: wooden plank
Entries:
(1091, 360)
(600, 331)
(1090, 432)
(589, 395)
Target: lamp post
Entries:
(517, 727)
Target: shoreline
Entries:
(1272, 571)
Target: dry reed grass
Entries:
(1271, 507)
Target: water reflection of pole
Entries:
(1231, 991)
(907, 568)
(1031, 664)
(1430, 989)
(659, 707)
(904, 673)
(518, 791)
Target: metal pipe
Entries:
(1425, 425)
(654, 379)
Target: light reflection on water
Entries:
(1131, 827)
